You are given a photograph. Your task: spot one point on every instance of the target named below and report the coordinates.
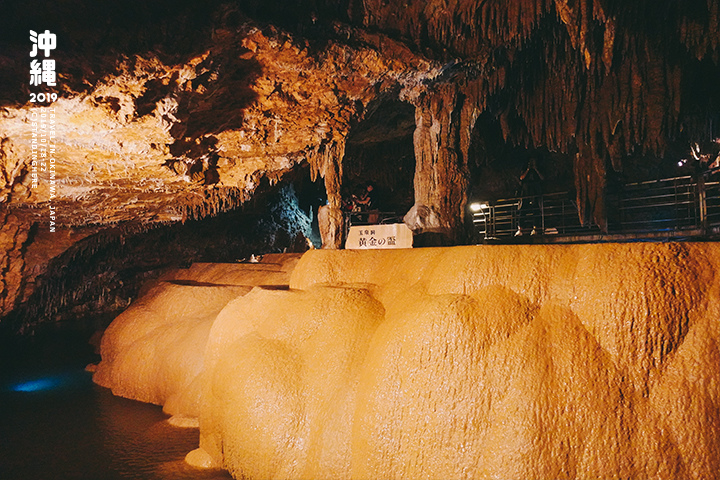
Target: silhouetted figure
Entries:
(366, 199)
(530, 203)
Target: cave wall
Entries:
(223, 101)
(13, 236)
(25, 254)
(79, 279)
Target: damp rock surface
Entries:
(580, 361)
(153, 351)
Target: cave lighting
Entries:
(41, 384)
(476, 207)
(50, 382)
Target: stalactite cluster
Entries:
(457, 27)
(210, 202)
(597, 79)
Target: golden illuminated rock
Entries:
(153, 351)
(513, 362)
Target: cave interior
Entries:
(211, 131)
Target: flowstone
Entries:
(517, 362)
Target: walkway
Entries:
(680, 207)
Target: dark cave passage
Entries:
(496, 165)
(379, 150)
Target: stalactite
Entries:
(599, 78)
(212, 201)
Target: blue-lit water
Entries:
(46, 383)
(55, 424)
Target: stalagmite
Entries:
(327, 162)
(330, 221)
(577, 361)
(441, 176)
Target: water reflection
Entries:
(143, 444)
(56, 424)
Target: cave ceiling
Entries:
(170, 110)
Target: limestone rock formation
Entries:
(163, 333)
(14, 234)
(581, 361)
(166, 115)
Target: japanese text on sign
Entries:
(396, 235)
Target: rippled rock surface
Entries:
(583, 361)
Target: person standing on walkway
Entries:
(531, 201)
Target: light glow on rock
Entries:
(543, 361)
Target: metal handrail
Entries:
(363, 217)
(671, 205)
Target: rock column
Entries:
(441, 172)
(328, 162)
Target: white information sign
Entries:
(392, 235)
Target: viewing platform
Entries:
(677, 208)
(670, 208)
